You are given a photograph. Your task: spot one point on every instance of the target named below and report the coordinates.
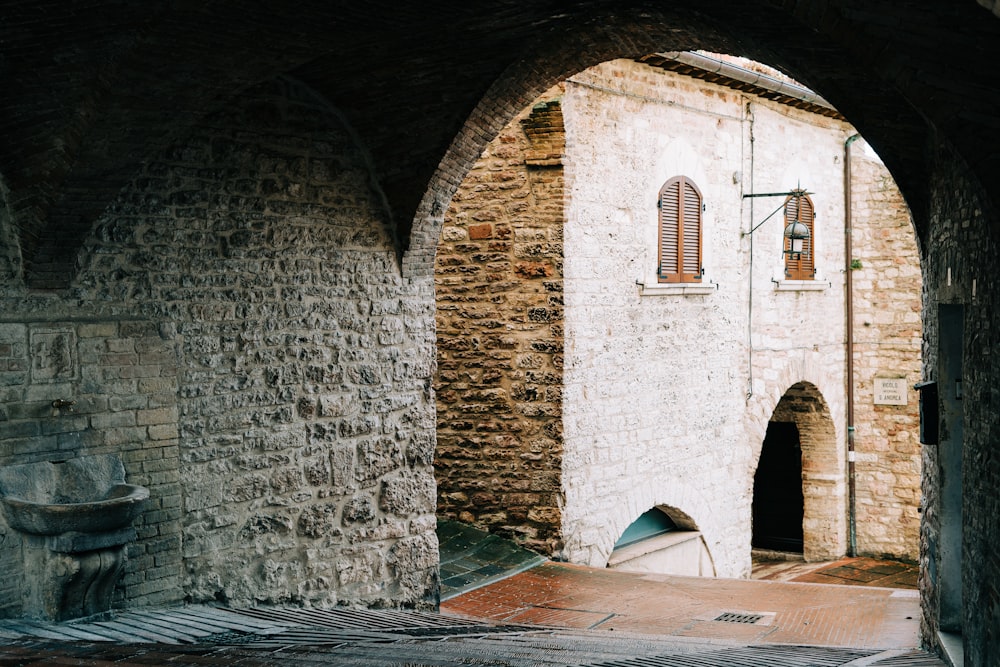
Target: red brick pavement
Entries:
(864, 572)
(791, 612)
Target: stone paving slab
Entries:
(864, 572)
(471, 558)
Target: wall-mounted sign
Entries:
(890, 391)
(53, 354)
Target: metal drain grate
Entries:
(733, 617)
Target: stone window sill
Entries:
(800, 285)
(676, 289)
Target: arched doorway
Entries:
(800, 483)
(778, 503)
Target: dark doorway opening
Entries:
(951, 327)
(778, 504)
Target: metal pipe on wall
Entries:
(849, 352)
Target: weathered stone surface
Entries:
(319, 521)
(404, 496)
(415, 554)
(485, 286)
(238, 364)
(376, 458)
(360, 509)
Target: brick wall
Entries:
(498, 277)
(887, 344)
(299, 464)
(122, 376)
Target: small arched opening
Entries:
(662, 540)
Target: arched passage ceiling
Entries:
(93, 88)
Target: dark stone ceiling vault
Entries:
(92, 89)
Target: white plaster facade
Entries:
(668, 390)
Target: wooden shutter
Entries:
(680, 231)
(801, 267)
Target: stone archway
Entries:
(871, 63)
(823, 472)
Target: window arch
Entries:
(801, 266)
(680, 206)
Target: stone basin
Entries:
(74, 517)
(117, 509)
(82, 495)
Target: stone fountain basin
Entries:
(87, 494)
(117, 509)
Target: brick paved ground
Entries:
(846, 571)
(790, 612)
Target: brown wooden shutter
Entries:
(670, 197)
(691, 233)
(680, 231)
(802, 267)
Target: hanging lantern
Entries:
(796, 232)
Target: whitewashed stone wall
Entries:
(664, 402)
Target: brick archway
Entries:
(823, 471)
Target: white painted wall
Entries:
(656, 407)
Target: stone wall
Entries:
(298, 435)
(498, 277)
(668, 390)
(887, 344)
(959, 256)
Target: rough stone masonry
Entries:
(570, 403)
(240, 332)
(95, 93)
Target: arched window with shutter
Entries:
(801, 266)
(680, 232)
